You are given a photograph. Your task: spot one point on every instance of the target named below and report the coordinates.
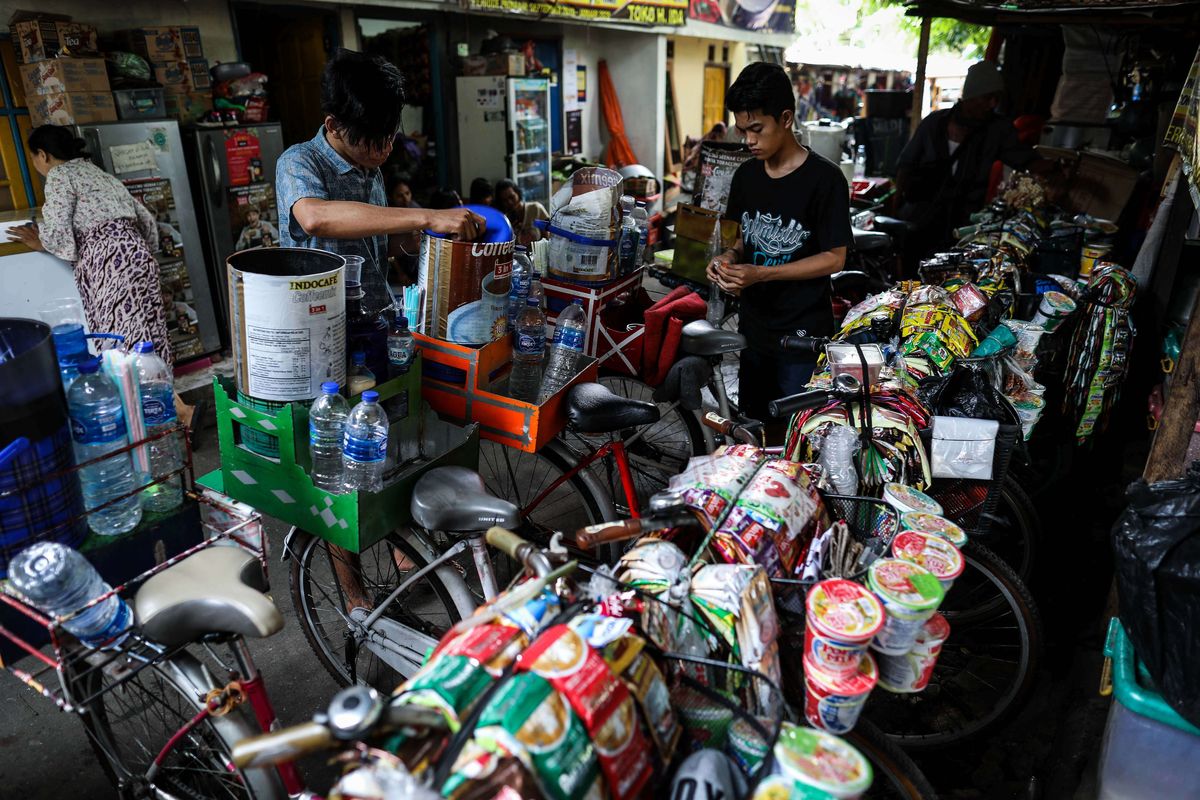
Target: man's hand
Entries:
(26, 235)
(459, 223)
(714, 267)
(734, 278)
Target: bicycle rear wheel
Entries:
(131, 719)
(986, 668)
(420, 616)
(897, 777)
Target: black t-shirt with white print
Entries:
(801, 214)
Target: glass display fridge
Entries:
(504, 131)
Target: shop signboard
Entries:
(638, 12)
(769, 16)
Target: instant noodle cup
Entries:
(842, 618)
(834, 704)
(905, 499)
(910, 594)
(932, 523)
(1054, 308)
(821, 762)
(911, 672)
(931, 552)
(1089, 255)
(747, 746)
(705, 721)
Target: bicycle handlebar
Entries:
(803, 344)
(620, 531)
(743, 433)
(506, 542)
(786, 406)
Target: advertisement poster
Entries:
(773, 16)
(638, 12)
(252, 216)
(243, 158)
(178, 300)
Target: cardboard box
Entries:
(59, 75)
(494, 64)
(189, 39)
(156, 45)
(47, 37)
(175, 76)
(188, 108)
(74, 108)
(1100, 185)
(198, 74)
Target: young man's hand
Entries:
(733, 278)
(714, 267)
(460, 223)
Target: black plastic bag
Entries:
(968, 391)
(1156, 542)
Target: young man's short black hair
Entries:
(509, 183)
(364, 94)
(764, 87)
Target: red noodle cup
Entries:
(834, 704)
(911, 672)
(842, 618)
(910, 594)
(931, 552)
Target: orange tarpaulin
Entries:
(618, 153)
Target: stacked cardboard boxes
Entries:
(37, 36)
(62, 85)
(176, 56)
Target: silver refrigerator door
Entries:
(233, 174)
(148, 158)
(482, 128)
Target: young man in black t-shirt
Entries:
(794, 209)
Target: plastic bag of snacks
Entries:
(738, 604)
(711, 484)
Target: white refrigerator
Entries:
(504, 132)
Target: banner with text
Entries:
(769, 16)
(639, 12)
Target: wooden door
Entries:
(716, 78)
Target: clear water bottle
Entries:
(58, 580)
(156, 385)
(641, 220)
(716, 298)
(326, 426)
(364, 445)
(401, 347)
(627, 238)
(518, 286)
(860, 161)
(98, 427)
(537, 291)
(569, 333)
(360, 378)
(529, 350)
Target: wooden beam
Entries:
(995, 41)
(919, 80)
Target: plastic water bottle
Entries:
(60, 581)
(518, 286)
(360, 378)
(156, 385)
(529, 350)
(569, 333)
(627, 238)
(98, 427)
(641, 220)
(326, 426)
(860, 161)
(537, 291)
(716, 298)
(401, 347)
(364, 445)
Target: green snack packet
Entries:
(451, 684)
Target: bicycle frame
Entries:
(616, 448)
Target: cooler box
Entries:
(615, 348)
(1149, 751)
(466, 383)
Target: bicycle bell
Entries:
(666, 499)
(847, 383)
(353, 711)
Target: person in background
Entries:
(794, 210)
(399, 192)
(330, 189)
(445, 198)
(522, 215)
(715, 134)
(403, 248)
(943, 172)
(481, 192)
(90, 219)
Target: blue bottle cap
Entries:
(359, 358)
(329, 387)
(370, 396)
(402, 321)
(144, 347)
(89, 366)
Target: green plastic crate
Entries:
(282, 487)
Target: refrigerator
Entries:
(233, 182)
(148, 158)
(504, 131)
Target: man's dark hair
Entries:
(444, 198)
(481, 191)
(764, 87)
(364, 94)
(508, 183)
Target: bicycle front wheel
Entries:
(327, 582)
(986, 669)
(132, 717)
(897, 777)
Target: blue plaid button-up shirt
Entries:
(314, 169)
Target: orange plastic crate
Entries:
(458, 381)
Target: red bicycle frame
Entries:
(617, 449)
